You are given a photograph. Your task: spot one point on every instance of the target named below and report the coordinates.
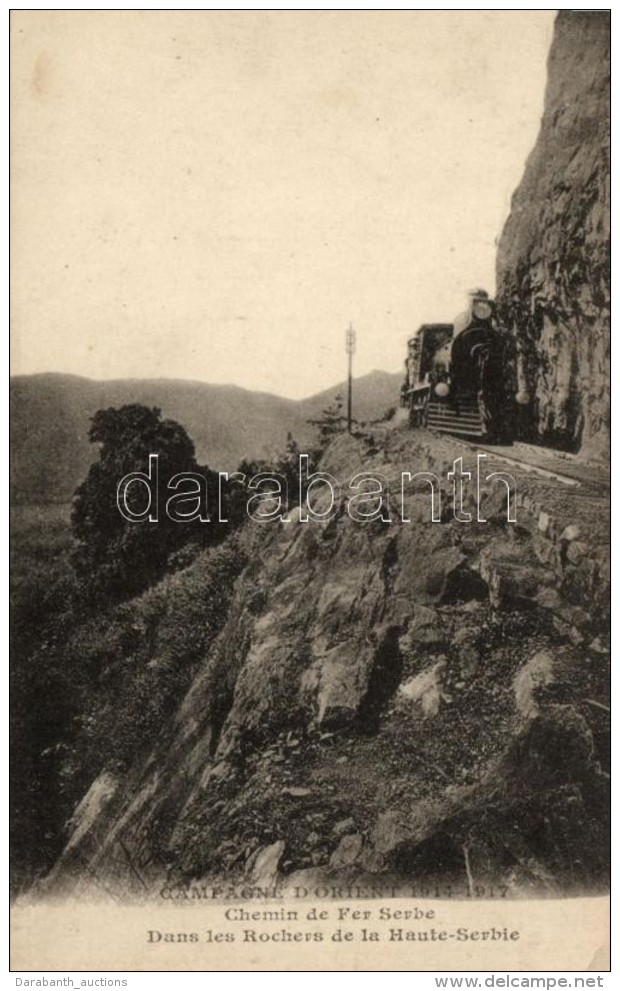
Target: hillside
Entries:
(373, 395)
(359, 703)
(50, 414)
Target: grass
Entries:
(40, 534)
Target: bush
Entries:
(117, 557)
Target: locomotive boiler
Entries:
(458, 376)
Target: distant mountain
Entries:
(50, 419)
(373, 395)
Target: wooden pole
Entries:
(350, 351)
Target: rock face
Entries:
(553, 271)
(380, 695)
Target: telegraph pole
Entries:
(350, 346)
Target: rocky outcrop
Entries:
(553, 269)
(382, 697)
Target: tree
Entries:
(284, 467)
(288, 466)
(116, 557)
(331, 421)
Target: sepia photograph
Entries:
(310, 490)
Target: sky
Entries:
(215, 195)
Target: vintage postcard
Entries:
(310, 490)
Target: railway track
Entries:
(557, 466)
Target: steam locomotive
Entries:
(458, 375)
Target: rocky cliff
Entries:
(388, 700)
(553, 272)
